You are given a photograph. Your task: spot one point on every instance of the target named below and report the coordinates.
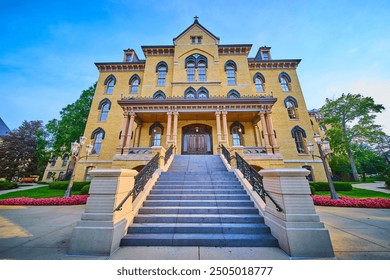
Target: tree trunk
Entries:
(353, 166)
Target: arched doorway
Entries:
(197, 139)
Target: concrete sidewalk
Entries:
(22, 188)
(43, 233)
(376, 186)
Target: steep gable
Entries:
(197, 29)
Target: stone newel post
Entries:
(298, 228)
(101, 228)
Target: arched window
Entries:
(237, 130)
(299, 134)
(203, 93)
(230, 69)
(156, 130)
(190, 93)
(109, 82)
(191, 72)
(291, 105)
(161, 69)
(65, 159)
(159, 95)
(233, 94)
(97, 136)
(259, 82)
(285, 81)
(202, 71)
(104, 107)
(193, 62)
(134, 83)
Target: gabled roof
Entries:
(196, 23)
(3, 128)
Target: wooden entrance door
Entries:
(197, 144)
(196, 139)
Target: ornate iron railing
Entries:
(226, 154)
(141, 179)
(255, 179)
(168, 154)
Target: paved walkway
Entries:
(376, 186)
(22, 188)
(43, 233)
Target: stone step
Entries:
(197, 183)
(209, 203)
(198, 191)
(198, 228)
(210, 240)
(198, 210)
(198, 218)
(169, 186)
(198, 197)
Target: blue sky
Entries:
(48, 48)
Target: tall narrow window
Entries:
(291, 105)
(299, 134)
(65, 159)
(202, 71)
(97, 136)
(237, 131)
(110, 87)
(134, 83)
(191, 72)
(284, 80)
(104, 112)
(161, 70)
(230, 69)
(104, 107)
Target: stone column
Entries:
(125, 124)
(175, 121)
(218, 120)
(257, 135)
(265, 133)
(169, 128)
(297, 227)
(139, 126)
(129, 132)
(225, 128)
(272, 133)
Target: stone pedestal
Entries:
(101, 228)
(298, 228)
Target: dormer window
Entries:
(128, 58)
(265, 55)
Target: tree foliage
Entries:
(352, 122)
(72, 123)
(18, 151)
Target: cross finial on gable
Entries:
(196, 18)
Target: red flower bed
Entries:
(73, 200)
(351, 202)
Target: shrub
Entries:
(85, 189)
(6, 185)
(63, 185)
(339, 186)
(387, 181)
(312, 189)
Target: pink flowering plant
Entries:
(351, 202)
(73, 200)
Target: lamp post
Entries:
(324, 148)
(75, 150)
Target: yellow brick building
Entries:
(199, 94)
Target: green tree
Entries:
(72, 123)
(368, 162)
(18, 151)
(351, 118)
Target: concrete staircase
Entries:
(197, 202)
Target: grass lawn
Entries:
(42, 192)
(357, 193)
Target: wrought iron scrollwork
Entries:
(255, 179)
(168, 154)
(226, 154)
(141, 179)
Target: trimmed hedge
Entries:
(339, 186)
(7, 185)
(63, 185)
(85, 189)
